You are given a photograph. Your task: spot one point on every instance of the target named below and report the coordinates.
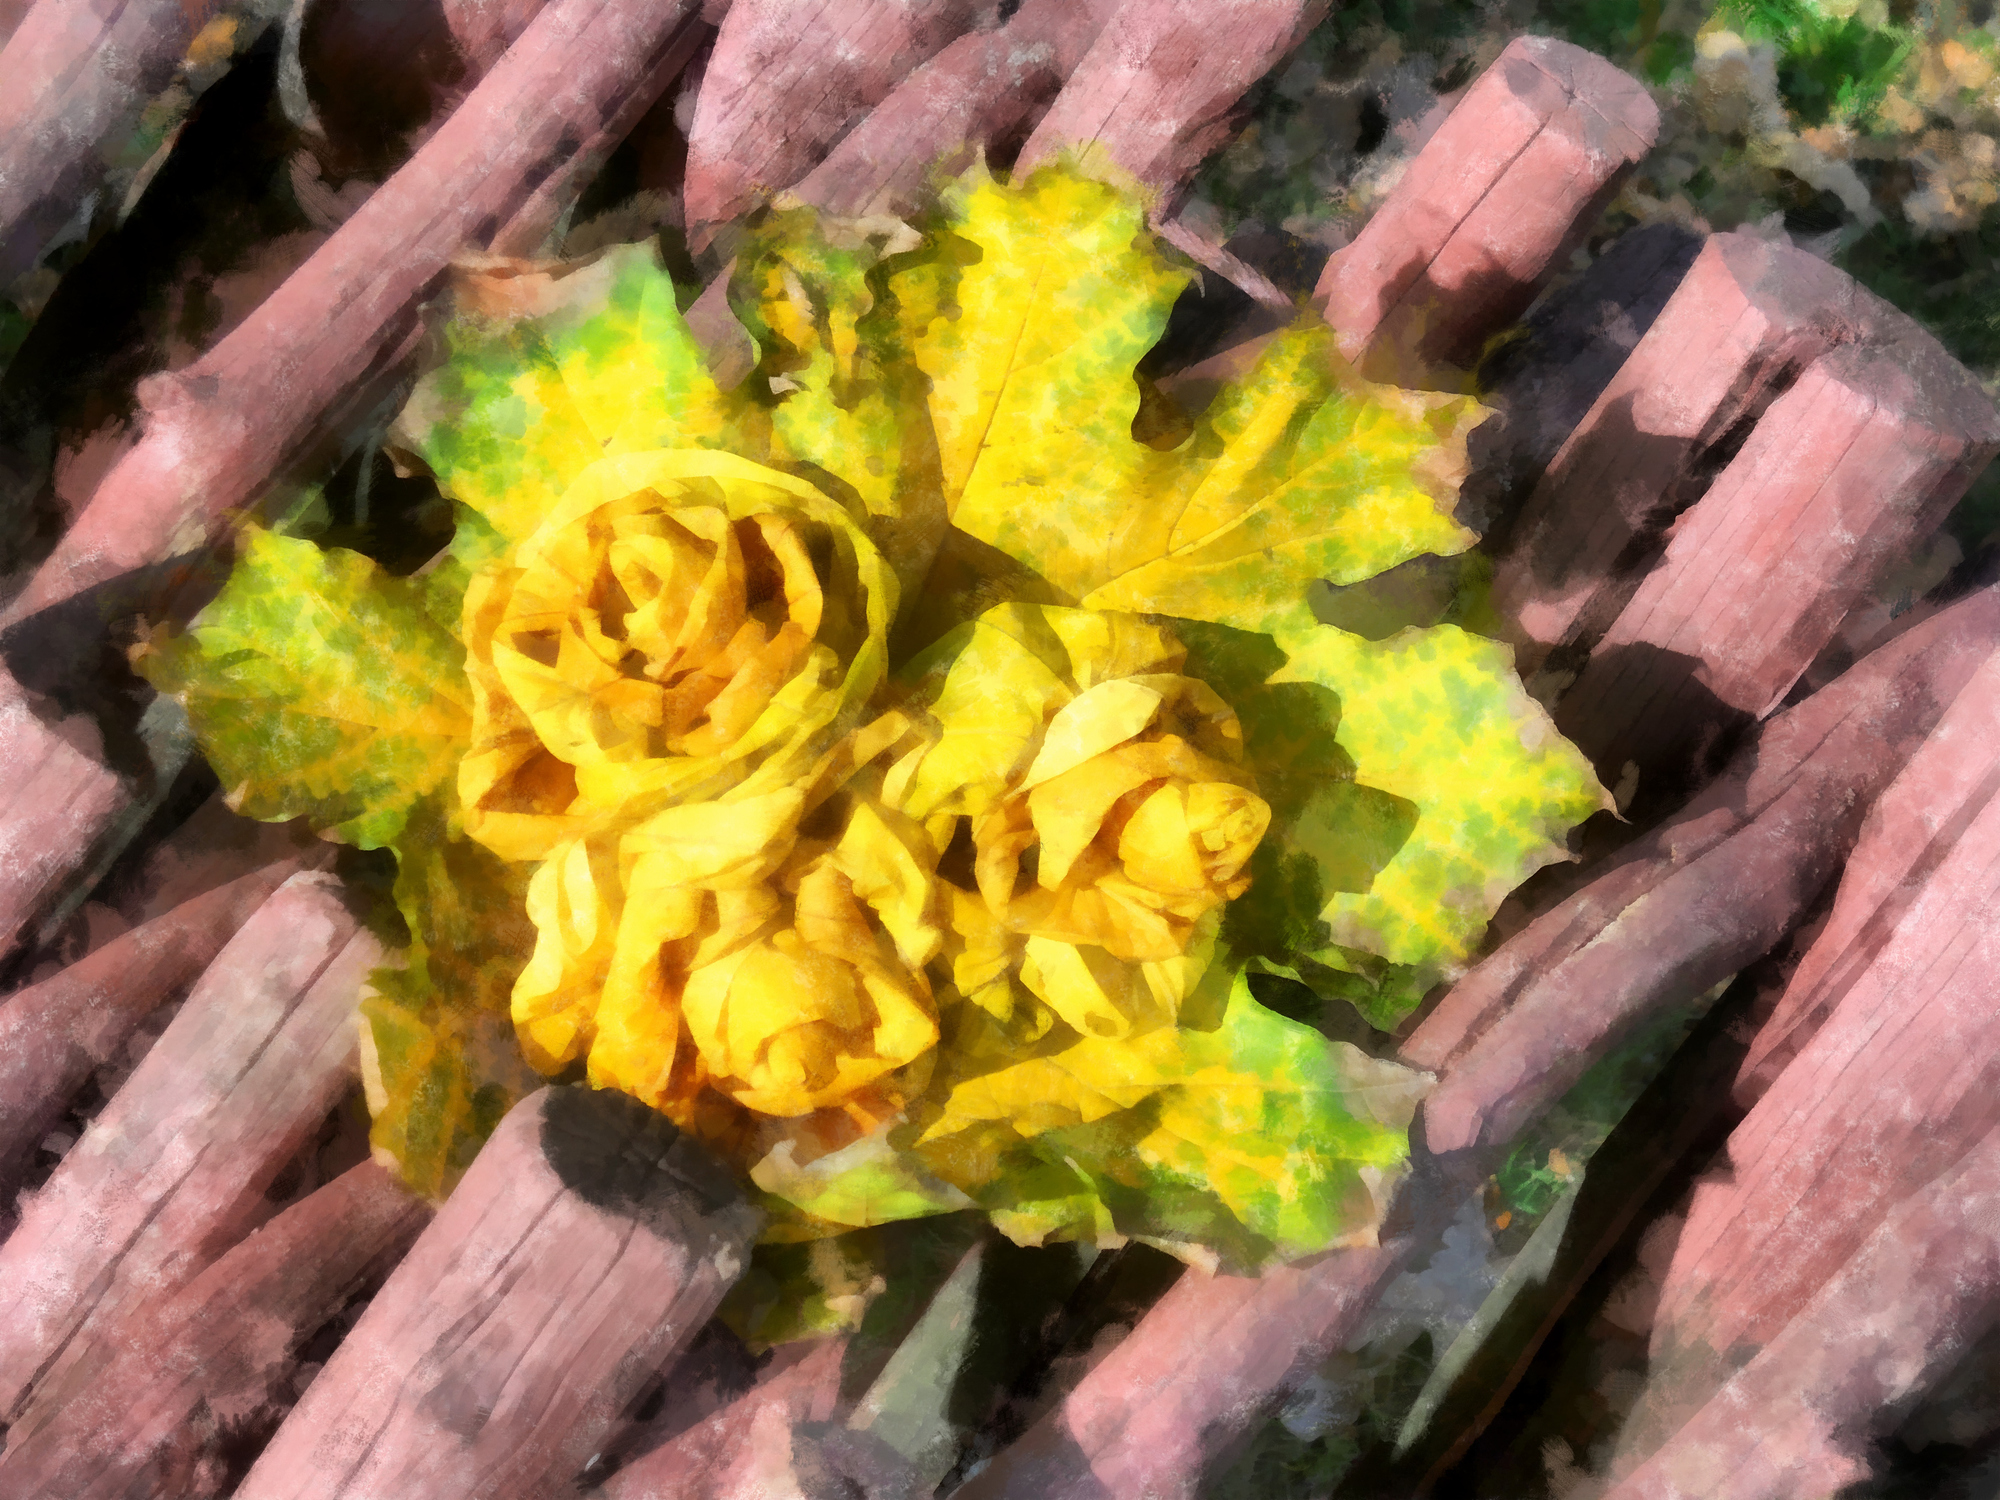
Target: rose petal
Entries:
(1094, 721)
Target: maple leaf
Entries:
(1028, 318)
(439, 1058)
(1300, 472)
(980, 929)
(320, 687)
(1441, 730)
(548, 370)
(1258, 1139)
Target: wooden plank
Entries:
(1803, 1416)
(1743, 323)
(58, 799)
(1683, 1114)
(788, 78)
(145, 1408)
(213, 847)
(1866, 453)
(1898, 1080)
(1157, 91)
(1571, 345)
(1206, 1362)
(73, 79)
(1513, 179)
(378, 76)
(586, 1244)
(1688, 904)
(1907, 831)
(54, 1034)
(216, 431)
(743, 1451)
(983, 88)
(173, 1172)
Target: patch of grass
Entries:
(1828, 67)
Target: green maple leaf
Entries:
(1436, 720)
(595, 362)
(320, 687)
(1413, 784)
(1259, 1139)
(440, 1060)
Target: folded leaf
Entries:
(320, 687)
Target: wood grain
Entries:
(1899, 1078)
(53, 1034)
(58, 799)
(984, 88)
(145, 1408)
(1516, 174)
(173, 1171)
(1803, 1416)
(1157, 91)
(1837, 481)
(1544, 382)
(743, 1451)
(73, 80)
(584, 1246)
(1201, 1367)
(1747, 318)
(788, 78)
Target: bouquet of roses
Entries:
(896, 768)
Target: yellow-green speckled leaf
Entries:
(1302, 472)
(320, 687)
(850, 403)
(1437, 719)
(1029, 319)
(1256, 1140)
(598, 362)
(864, 1183)
(441, 1063)
(436, 1085)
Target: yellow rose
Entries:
(766, 948)
(1108, 811)
(829, 996)
(682, 625)
(1123, 833)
